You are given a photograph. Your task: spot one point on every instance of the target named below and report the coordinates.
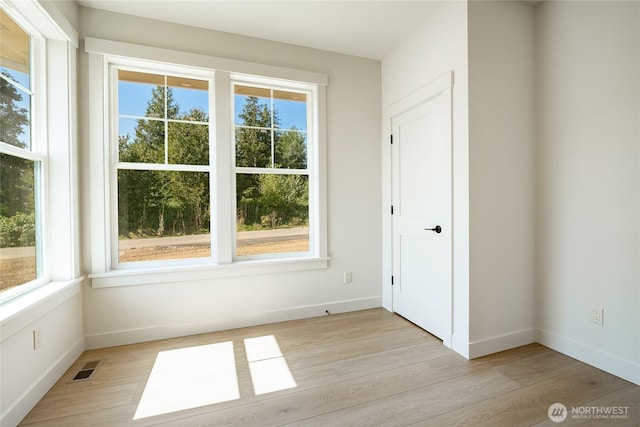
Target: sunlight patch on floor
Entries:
(189, 378)
(267, 366)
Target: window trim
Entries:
(104, 52)
(122, 50)
(150, 276)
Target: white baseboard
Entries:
(598, 358)
(608, 362)
(131, 336)
(501, 342)
(33, 395)
(460, 345)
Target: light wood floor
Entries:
(369, 368)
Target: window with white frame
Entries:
(162, 173)
(193, 185)
(39, 225)
(271, 130)
(22, 156)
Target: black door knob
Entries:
(437, 229)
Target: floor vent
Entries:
(86, 372)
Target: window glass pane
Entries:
(15, 101)
(127, 128)
(252, 106)
(290, 149)
(133, 98)
(253, 148)
(15, 76)
(188, 143)
(190, 95)
(15, 115)
(141, 141)
(290, 109)
(258, 144)
(272, 214)
(163, 215)
(15, 50)
(140, 94)
(18, 263)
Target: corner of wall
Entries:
(501, 176)
(41, 386)
(55, 310)
(502, 342)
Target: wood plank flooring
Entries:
(367, 368)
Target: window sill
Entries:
(22, 310)
(117, 278)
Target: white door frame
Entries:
(436, 87)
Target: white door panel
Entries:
(421, 173)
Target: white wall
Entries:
(501, 175)
(65, 8)
(27, 374)
(588, 182)
(439, 46)
(136, 313)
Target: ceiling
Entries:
(363, 28)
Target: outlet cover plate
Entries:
(597, 315)
(37, 338)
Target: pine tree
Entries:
(266, 199)
(17, 191)
(13, 118)
(165, 202)
(291, 150)
(253, 139)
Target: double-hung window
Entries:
(271, 128)
(206, 169)
(38, 176)
(162, 171)
(23, 157)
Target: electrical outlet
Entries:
(37, 338)
(597, 315)
(347, 277)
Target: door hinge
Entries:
(391, 280)
(391, 209)
(391, 139)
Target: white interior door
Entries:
(422, 200)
